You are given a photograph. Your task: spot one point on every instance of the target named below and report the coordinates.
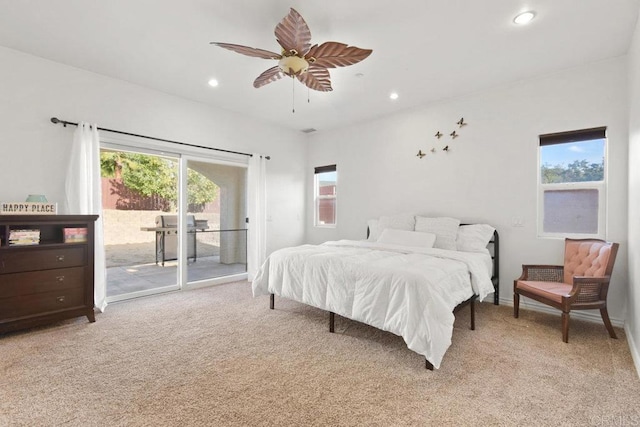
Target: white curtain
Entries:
(257, 209)
(84, 196)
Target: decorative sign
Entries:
(28, 208)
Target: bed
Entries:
(411, 291)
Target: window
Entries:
(325, 180)
(572, 184)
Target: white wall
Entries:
(35, 152)
(633, 317)
(490, 174)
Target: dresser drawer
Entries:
(34, 282)
(25, 305)
(32, 259)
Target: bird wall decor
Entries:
(438, 135)
(446, 148)
(420, 154)
(454, 135)
(461, 122)
(308, 63)
(433, 150)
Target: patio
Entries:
(132, 267)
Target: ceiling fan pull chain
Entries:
(293, 95)
(308, 96)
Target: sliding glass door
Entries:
(140, 205)
(150, 247)
(216, 211)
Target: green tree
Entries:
(576, 171)
(156, 176)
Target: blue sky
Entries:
(563, 154)
(329, 176)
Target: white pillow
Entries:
(474, 238)
(374, 230)
(407, 238)
(445, 229)
(398, 222)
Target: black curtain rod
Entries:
(56, 120)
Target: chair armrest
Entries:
(588, 289)
(585, 279)
(542, 273)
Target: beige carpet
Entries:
(217, 356)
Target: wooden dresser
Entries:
(48, 281)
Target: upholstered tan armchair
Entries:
(581, 283)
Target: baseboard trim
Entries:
(633, 347)
(588, 315)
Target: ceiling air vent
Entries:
(308, 130)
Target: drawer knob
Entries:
(60, 258)
(60, 299)
(60, 278)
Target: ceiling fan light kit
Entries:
(299, 59)
(293, 65)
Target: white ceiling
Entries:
(426, 50)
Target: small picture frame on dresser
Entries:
(75, 235)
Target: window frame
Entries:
(317, 197)
(600, 186)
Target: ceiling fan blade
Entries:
(334, 54)
(249, 51)
(293, 33)
(316, 78)
(268, 76)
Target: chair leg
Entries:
(516, 305)
(271, 301)
(565, 326)
(607, 322)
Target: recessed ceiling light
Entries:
(524, 17)
(213, 83)
(359, 75)
(394, 95)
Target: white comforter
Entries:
(410, 292)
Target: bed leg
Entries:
(272, 299)
(332, 322)
(428, 364)
(473, 314)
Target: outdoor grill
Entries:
(167, 238)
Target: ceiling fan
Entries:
(299, 59)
